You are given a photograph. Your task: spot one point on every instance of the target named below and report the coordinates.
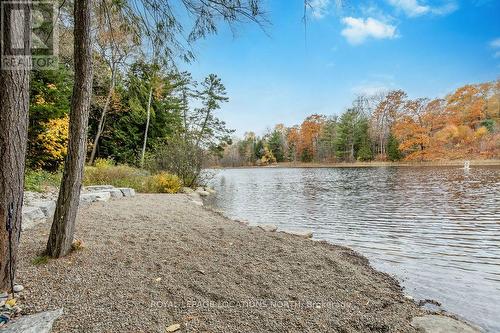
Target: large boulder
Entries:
(268, 227)
(441, 324)
(98, 188)
(300, 233)
(127, 192)
(32, 216)
(210, 190)
(187, 190)
(102, 196)
(115, 193)
(87, 198)
(48, 207)
(203, 193)
(37, 323)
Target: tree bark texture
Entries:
(14, 106)
(63, 225)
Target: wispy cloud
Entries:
(413, 8)
(410, 7)
(445, 9)
(319, 8)
(358, 30)
(495, 45)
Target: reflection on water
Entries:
(436, 229)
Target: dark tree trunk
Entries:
(14, 106)
(148, 116)
(63, 226)
(100, 126)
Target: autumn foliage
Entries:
(462, 125)
(389, 126)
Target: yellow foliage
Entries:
(481, 132)
(164, 183)
(102, 163)
(55, 138)
(39, 100)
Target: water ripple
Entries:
(436, 229)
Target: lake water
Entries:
(436, 229)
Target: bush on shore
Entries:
(41, 180)
(105, 172)
(163, 183)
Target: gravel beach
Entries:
(152, 261)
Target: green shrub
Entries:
(163, 183)
(180, 157)
(40, 180)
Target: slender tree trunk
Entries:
(203, 127)
(14, 106)
(184, 114)
(100, 126)
(148, 116)
(63, 226)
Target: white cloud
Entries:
(445, 9)
(495, 43)
(410, 7)
(357, 30)
(415, 8)
(319, 8)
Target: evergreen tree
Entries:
(393, 152)
(259, 149)
(275, 143)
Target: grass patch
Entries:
(105, 172)
(40, 260)
(40, 180)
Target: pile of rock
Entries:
(196, 196)
(102, 193)
(40, 207)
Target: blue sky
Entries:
(426, 48)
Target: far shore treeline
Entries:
(387, 126)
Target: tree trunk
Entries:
(14, 106)
(100, 126)
(203, 127)
(63, 226)
(148, 116)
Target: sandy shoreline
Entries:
(156, 260)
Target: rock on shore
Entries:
(40, 207)
(36, 323)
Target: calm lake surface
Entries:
(436, 229)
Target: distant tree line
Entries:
(385, 127)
